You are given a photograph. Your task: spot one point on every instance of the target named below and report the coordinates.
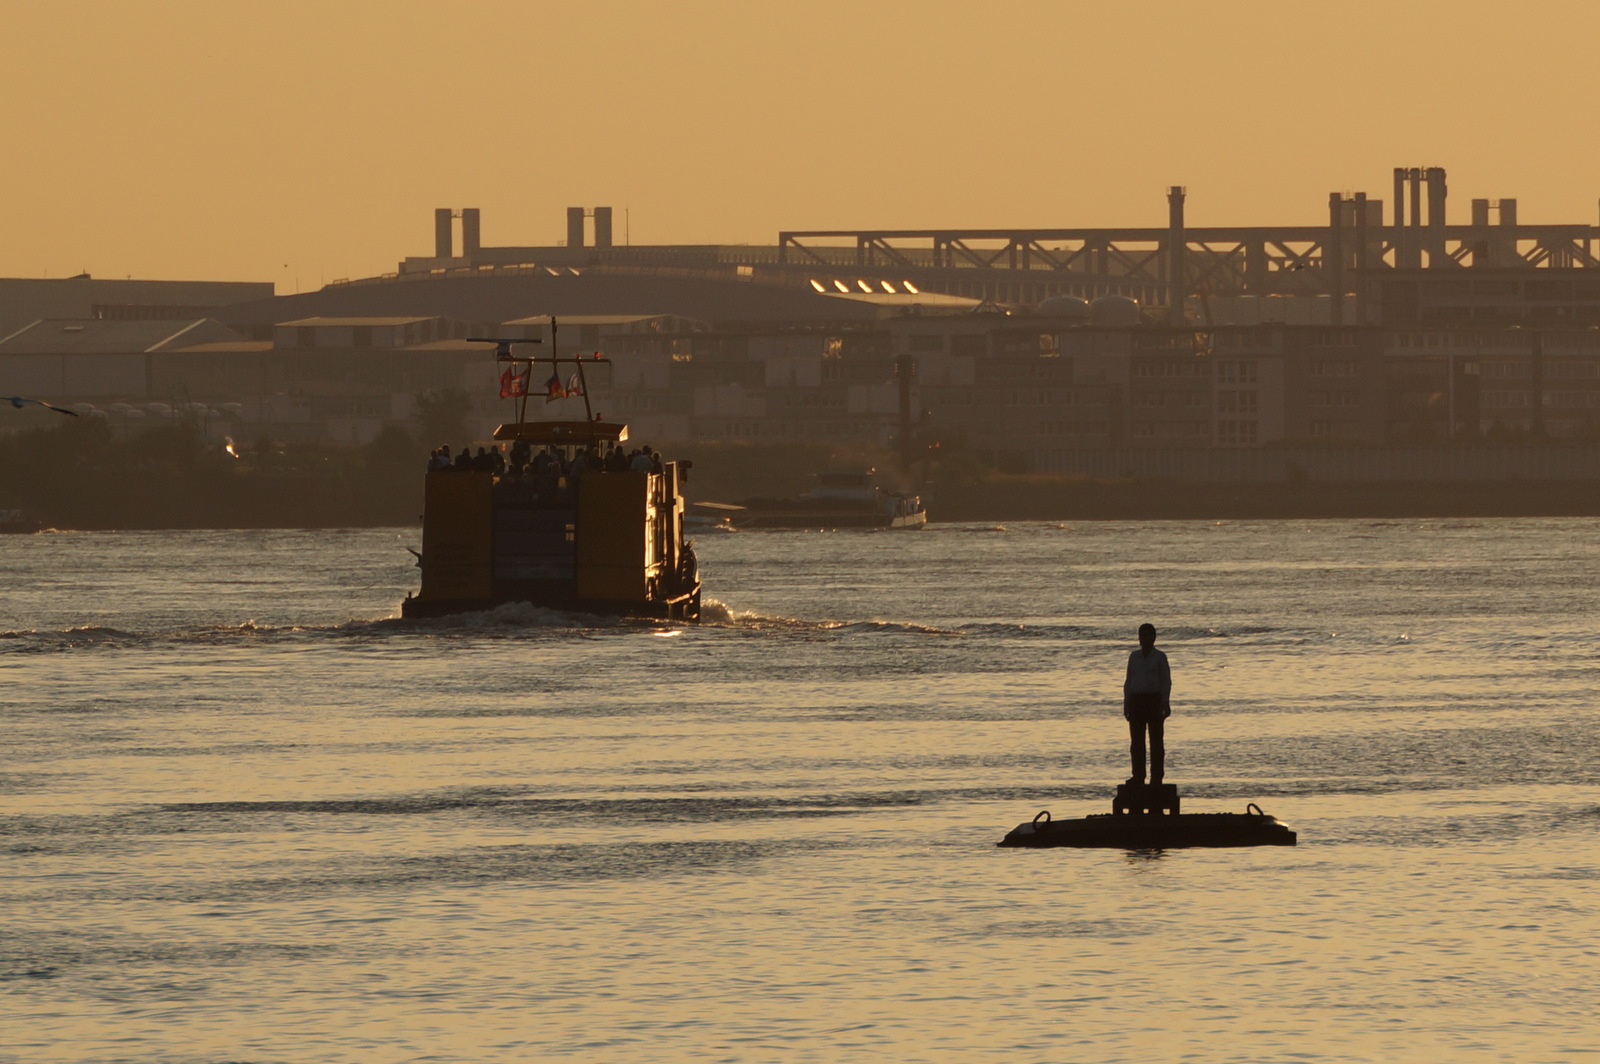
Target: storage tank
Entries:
(1115, 311)
(1064, 307)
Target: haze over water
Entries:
(247, 816)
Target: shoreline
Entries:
(999, 501)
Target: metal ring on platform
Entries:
(1041, 813)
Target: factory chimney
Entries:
(1333, 257)
(441, 233)
(1177, 288)
(469, 232)
(602, 228)
(574, 227)
(1434, 175)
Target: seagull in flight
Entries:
(19, 402)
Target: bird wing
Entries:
(19, 401)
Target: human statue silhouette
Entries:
(1147, 703)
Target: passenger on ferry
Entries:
(440, 459)
(520, 453)
(463, 462)
(587, 461)
(641, 462)
(617, 460)
(497, 459)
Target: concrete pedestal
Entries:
(1146, 798)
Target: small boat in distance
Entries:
(14, 521)
(840, 500)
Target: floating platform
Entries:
(1147, 817)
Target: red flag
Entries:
(513, 384)
(553, 389)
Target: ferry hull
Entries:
(681, 608)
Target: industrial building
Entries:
(1041, 349)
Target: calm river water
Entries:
(247, 815)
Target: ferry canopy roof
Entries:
(563, 433)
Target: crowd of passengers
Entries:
(521, 461)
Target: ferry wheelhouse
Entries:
(599, 541)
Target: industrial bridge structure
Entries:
(1165, 265)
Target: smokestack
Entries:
(1398, 238)
(1333, 257)
(469, 232)
(1177, 287)
(441, 233)
(602, 227)
(1361, 253)
(574, 227)
(1503, 244)
(1414, 220)
(1437, 193)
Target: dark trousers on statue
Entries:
(1145, 714)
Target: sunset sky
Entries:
(303, 142)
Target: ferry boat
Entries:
(840, 500)
(604, 542)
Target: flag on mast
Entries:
(553, 389)
(513, 384)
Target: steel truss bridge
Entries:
(1262, 260)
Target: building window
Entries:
(1321, 428)
(1504, 400)
(1242, 371)
(1236, 433)
(1236, 402)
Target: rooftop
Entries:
(89, 336)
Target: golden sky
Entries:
(302, 142)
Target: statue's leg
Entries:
(1136, 746)
(1158, 747)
